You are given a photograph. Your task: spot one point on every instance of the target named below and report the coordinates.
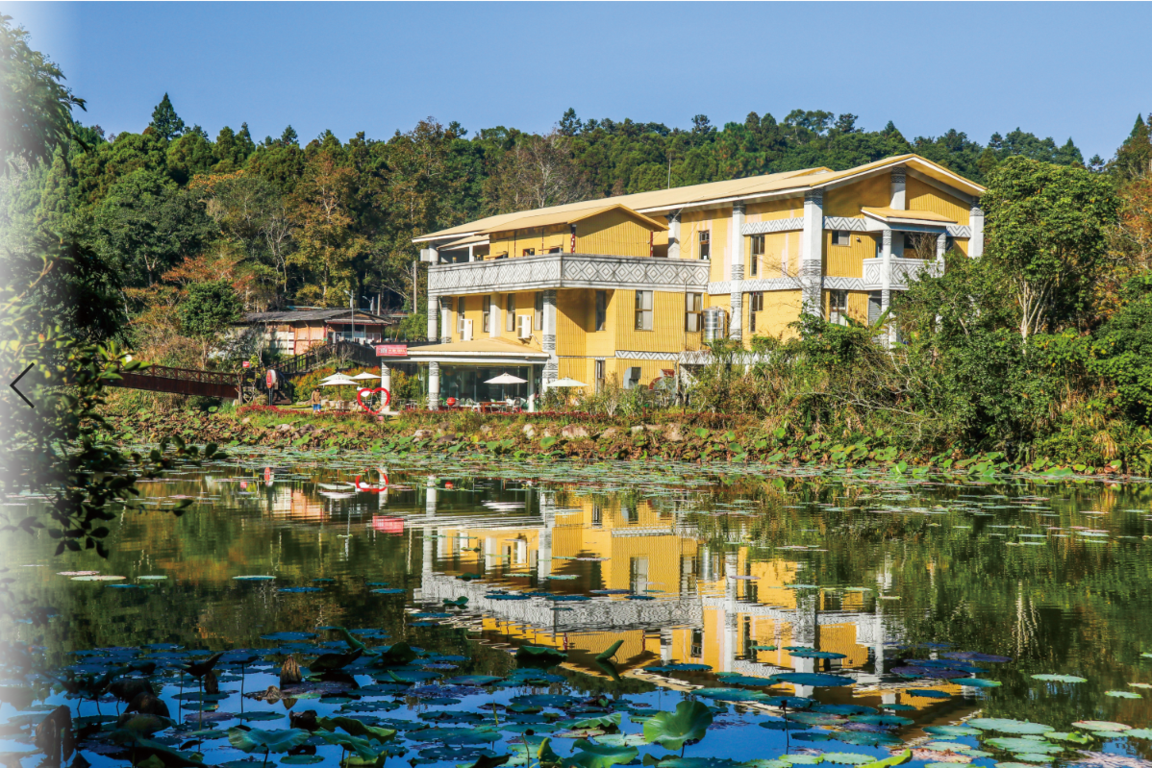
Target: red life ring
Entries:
(369, 391)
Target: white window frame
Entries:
(645, 303)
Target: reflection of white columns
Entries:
(976, 242)
(812, 254)
(673, 235)
(736, 248)
(887, 238)
(898, 190)
(433, 386)
(730, 615)
(706, 564)
(665, 645)
(548, 343)
(431, 497)
(544, 556)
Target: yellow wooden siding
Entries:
(780, 309)
(525, 304)
(716, 222)
(871, 192)
(858, 306)
(649, 369)
(667, 334)
(787, 208)
(572, 321)
(613, 233)
(848, 260)
(540, 239)
(602, 343)
(778, 248)
(961, 246)
(924, 197)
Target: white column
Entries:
(433, 386)
(976, 242)
(386, 382)
(445, 323)
(544, 551)
(941, 246)
(471, 253)
(736, 275)
(899, 196)
(548, 343)
(673, 235)
(433, 317)
(493, 316)
(812, 253)
(531, 390)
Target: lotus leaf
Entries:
(789, 702)
(952, 730)
(810, 654)
(536, 700)
(1123, 695)
(673, 730)
(782, 725)
(266, 741)
(843, 709)
(1034, 757)
(591, 755)
(927, 693)
(357, 728)
(1075, 738)
(763, 764)
(1139, 733)
(1003, 725)
(886, 721)
(1060, 678)
(604, 721)
(1024, 745)
(1101, 726)
(533, 654)
(866, 739)
(971, 656)
(622, 739)
(897, 759)
(477, 680)
(699, 762)
(976, 682)
(301, 759)
(945, 764)
(802, 759)
(260, 714)
(729, 694)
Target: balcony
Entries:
(904, 271)
(568, 270)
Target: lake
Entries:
(837, 617)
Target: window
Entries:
(599, 375)
(499, 256)
(486, 323)
(838, 307)
(539, 310)
(697, 648)
(757, 252)
(528, 252)
(460, 316)
(693, 307)
(556, 249)
(755, 306)
(601, 309)
(841, 237)
(597, 514)
(632, 378)
(643, 310)
(705, 245)
(638, 574)
(510, 312)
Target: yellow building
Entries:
(629, 288)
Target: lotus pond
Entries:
(311, 609)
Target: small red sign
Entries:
(391, 350)
(246, 364)
(384, 524)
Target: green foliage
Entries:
(673, 730)
(208, 311)
(165, 122)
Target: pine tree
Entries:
(165, 122)
(289, 137)
(1134, 157)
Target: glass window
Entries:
(838, 307)
(599, 375)
(705, 245)
(556, 249)
(486, 323)
(841, 237)
(693, 307)
(643, 310)
(756, 252)
(601, 309)
(755, 306)
(510, 312)
(460, 315)
(539, 310)
(528, 252)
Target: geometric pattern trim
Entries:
(843, 223)
(770, 226)
(959, 230)
(623, 354)
(568, 270)
(771, 284)
(904, 271)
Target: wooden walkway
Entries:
(182, 381)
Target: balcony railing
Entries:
(904, 271)
(568, 270)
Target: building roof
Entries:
(535, 220)
(313, 315)
(477, 348)
(718, 192)
(895, 214)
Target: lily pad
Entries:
(589, 755)
(1123, 695)
(1060, 678)
(1004, 725)
(266, 741)
(1102, 726)
(815, 679)
(673, 730)
(847, 758)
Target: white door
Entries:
(467, 330)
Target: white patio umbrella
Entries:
(338, 383)
(506, 378)
(365, 376)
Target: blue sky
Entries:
(1064, 70)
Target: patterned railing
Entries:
(904, 271)
(182, 381)
(568, 270)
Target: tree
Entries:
(37, 107)
(165, 122)
(327, 243)
(539, 172)
(1046, 230)
(207, 313)
(146, 225)
(1134, 157)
